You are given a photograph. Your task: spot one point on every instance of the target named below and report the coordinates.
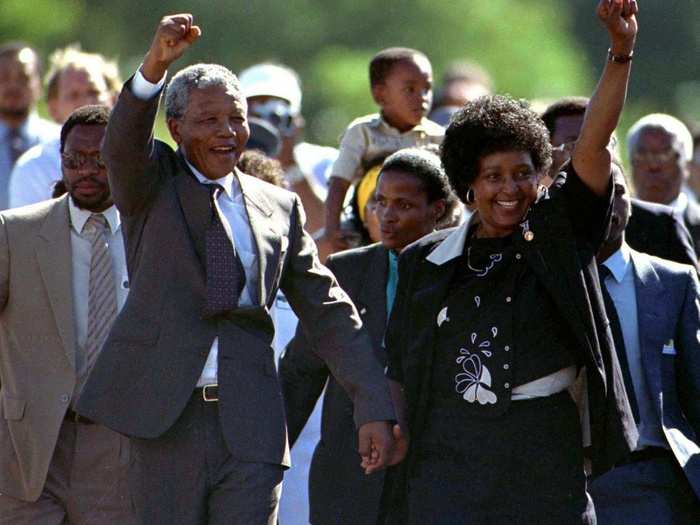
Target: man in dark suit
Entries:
(413, 196)
(653, 307)
(188, 369)
(660, 149)
(653, 228)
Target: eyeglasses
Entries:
(648, 157)
(77, 161)
(277, 113)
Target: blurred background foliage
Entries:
(537, 49)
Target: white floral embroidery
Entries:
(495, 258)
(475, 379)
(477, 300)
(442, 317)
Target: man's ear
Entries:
(174, 128)
(439, 208)
(378, 93)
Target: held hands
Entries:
(174, 35)
(619, 18)
(381, 446)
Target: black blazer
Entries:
(657, 230)
(567, 233)
(339, 491)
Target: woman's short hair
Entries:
(426, 166)
(489, 125)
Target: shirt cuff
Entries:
(144, 89)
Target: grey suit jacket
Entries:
(37, 342)
(156, 351)
(668, 308)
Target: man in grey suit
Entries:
(62, 279)
(654, 310)
(188, 369)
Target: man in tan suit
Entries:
(62, 280)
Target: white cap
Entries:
(272, 80)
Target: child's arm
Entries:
(343, 173)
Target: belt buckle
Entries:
(206, 397)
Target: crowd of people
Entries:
(461, 315)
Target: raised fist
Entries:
(619, 18)
(175, 33)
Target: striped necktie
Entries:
(102, 295)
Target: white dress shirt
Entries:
(81, 252)
(35, 173)
(233, 212)
(621, 287)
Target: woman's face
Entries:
(403, 210)
(504, 188)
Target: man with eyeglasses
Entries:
(660, 148)
(273, 93)
(62, 281)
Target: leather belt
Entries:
(73, 416)
(209, 393)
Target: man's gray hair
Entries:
(683, 140)
(197, 76)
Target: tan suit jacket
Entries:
(37, 342)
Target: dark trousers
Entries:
(654, 491)
(525, 467)
(87, 482)
(188, 477)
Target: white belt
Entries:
(545, 386)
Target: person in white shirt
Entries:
(75, 79)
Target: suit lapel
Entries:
(372, 293)
(268, 241)
(196, 207)
(54, 254)
(649, 293)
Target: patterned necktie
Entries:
(619, 340)
(102, 295)
(225, 273)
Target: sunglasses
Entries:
(77, 161)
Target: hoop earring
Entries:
(470, 196)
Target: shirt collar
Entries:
(380, 122)
(618, 262)
(680, 203)
(451, 247)
(228, 183)
(78, 217)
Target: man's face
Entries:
(622, 207)
(213, 131)
(458, 92)
(277, 111)
(566, 132)
(406, 94)
(19, 84)
(77, 88)
(84, 173)
(657, 169)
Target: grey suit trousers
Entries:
(87, 483)
(190, 464)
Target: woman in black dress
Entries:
(494, 320)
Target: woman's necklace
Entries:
(482, 272)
